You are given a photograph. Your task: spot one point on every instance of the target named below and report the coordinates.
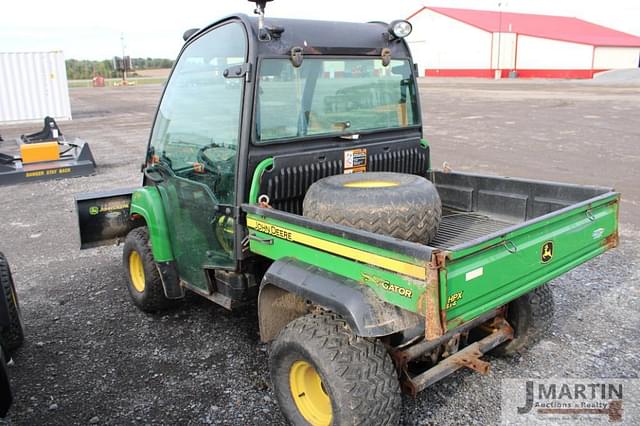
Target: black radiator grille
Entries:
(287, 186)
(411, 161)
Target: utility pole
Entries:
(498, 70)
(124, 65)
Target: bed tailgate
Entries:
(487, 274)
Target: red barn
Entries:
(480, 43)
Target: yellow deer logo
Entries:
(547, 251)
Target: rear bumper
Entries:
(468, 357)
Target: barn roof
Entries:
(562, 28)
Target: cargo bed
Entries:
(458, 227)
(477, 207)
(499, 238)
(502, 237)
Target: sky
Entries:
(93, 30)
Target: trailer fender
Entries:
(146, 202)
(288, 284)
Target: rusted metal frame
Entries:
(434, 318)
(468, 357)
(612, 240)
(404, 356)
(472, 360)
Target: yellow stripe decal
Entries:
(344, 251)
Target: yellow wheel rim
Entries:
(309, 394)
(371, 184)
(136, 271)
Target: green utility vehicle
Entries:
(255, 115)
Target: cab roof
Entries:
(320, 37)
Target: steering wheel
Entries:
(217, 158)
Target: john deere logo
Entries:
(547, 252)
(94, 210)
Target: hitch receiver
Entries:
(468, 357)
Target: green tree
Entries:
(86, 70)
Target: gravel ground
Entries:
(91, 357)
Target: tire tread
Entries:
(532, 317)
(13, 335)
(411, 211)
(153, 298)
(362, 366)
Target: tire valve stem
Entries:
(301, 395)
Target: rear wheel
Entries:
(323, 374)
(531, 317)
(143, 277)
(13, 334)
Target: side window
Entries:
(197, 127)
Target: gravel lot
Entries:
(91, 357)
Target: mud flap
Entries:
(103, 217)
(170, 280)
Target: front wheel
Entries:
(323, 374)
(143, 277)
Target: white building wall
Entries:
(439, 42)
(32, 86)
(616, 57)
(504, 44)
(540, 53)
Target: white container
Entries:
(32, 86)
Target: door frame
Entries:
(244, 131)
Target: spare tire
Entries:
(399, 205)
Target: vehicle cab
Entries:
(243, 91)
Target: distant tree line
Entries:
(85, 70)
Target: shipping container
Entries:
(32, 86)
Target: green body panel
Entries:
(147, 203)
(375, 277)
(491, 274)
(525, 230)
(343, 241)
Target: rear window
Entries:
(333, 96)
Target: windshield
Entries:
(333, 96)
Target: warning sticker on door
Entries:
(355, 161)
